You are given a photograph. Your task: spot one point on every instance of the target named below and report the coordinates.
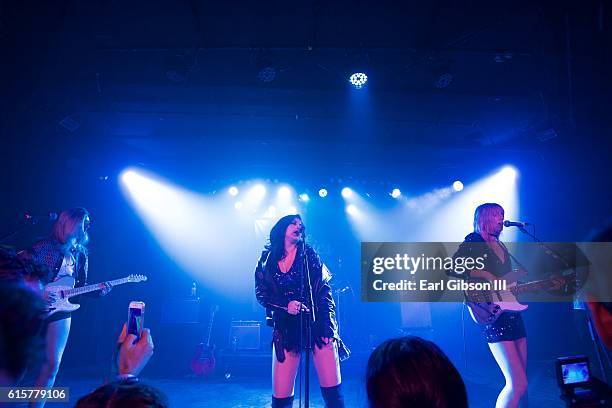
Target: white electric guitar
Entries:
(57, 293)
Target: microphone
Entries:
(300, 231)
(34, 218)
(342, 290)
(516, 224)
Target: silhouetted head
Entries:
(413, 372)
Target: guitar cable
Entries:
(465, 366)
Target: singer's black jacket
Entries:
(271, 295)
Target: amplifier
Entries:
(245, 335)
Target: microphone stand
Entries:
(13, 233)
(589, 320)
(306, 346)
(25, 222)
(548, 250)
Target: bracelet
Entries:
(127, 378)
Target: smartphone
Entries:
(135, 322)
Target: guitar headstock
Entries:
(137, 278)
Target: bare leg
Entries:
(56, 338)
(327, 364)
(508, 358)
(283, 374)
(521, 344)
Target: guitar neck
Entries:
(210, 323)
(92, 288)
(531, 286)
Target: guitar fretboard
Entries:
(91, 288)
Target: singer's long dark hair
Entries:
(276, 244)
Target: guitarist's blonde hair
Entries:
(484, 214)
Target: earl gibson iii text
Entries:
(420, 272)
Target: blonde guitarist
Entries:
(506, 335)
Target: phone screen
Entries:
(135, 321)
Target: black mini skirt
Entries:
(509, 326)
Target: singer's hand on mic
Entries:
(327, 341)
(294, 307)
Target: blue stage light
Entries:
(323, 192)
(233, 191)
(256, 193)
(358, 79)
(266, 74)
(396, 193)
(284, 192)
(129, 176)
(508, 172)
(351, 209)
(346, 192)
(304, 197)
(457, 185)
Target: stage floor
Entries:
(255, 392)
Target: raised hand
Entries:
(134, 355)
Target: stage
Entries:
(193, 151)
(254, 392)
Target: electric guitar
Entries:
(487, 305)
(203, 361)
(59, 292)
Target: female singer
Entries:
(281, 285)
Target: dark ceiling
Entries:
(157, 76)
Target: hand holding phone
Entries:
(133, 355)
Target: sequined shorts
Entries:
(509, 326)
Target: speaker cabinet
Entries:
(245, 335)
